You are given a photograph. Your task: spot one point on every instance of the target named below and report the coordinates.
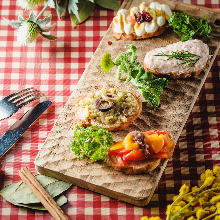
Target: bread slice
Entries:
(86, 121)
(143, 166)
(139, 167)
(174, 68)
(133, 36)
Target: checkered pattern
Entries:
(54, 68)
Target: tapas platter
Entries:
(55, 157)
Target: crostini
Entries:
(178, 60)
(141, 152)
(141, 22)
(111, 109)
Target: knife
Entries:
(10, 137)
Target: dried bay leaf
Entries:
(24, 194)
(19, 193)
(61, 200)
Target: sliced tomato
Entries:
(134, 155)
(120, 162)
(120, 152)
(160, 155)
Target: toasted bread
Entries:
(133, 36)
(161, 65)
(143, 166)
(87, 121)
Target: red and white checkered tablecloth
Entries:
(54, 68)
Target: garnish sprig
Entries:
(189, 27)
(127, 63)
(92, 142)
(189, 59)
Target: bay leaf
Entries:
(109, 4)
(85, 9)
(21, 193)
(61, 200)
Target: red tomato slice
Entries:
(120, 152)
(120, 161)
(134, 155)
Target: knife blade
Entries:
(10, 137)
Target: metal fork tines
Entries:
(11, 103)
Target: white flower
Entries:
(29, 4)
(27, 32)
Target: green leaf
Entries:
(109, 4)
(85, 9)
(73, 8)
(61, 7)
(106, 62)
(43, 22)
(48, 37)
(20, 193)
(153, 100)
(61, 200)
(13, 23)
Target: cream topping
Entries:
(124, 21)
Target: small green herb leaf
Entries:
(187, 58)
(189, 27)
(154, 100)
(106, 62)
(92, 142)
(109, 4)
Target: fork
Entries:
(12, 103)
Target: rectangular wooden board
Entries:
(55, 158)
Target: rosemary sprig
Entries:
(188, 59)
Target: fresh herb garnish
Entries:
(92, 142)
(189, 27)
(188, 59)
(107, 62)
(151, 87)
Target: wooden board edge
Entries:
(94, 188)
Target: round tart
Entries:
(111, 109)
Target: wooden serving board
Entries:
(55, 158)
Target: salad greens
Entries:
(189, 27)
(151, 87)
(92, 142)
